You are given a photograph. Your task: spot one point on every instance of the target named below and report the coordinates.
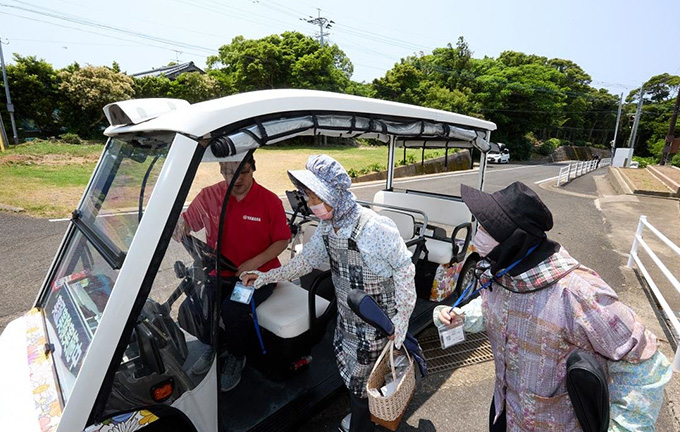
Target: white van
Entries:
(111, 337)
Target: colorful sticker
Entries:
(41, 371)
(128, 422)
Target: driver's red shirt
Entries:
(250, 227)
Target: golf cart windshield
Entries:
(102, 229)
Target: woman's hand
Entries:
(249, 278)
(450, 318)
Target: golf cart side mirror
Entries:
(458, 254)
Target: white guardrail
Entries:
(633, 258)
(576, 169)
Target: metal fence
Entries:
(634, 258)
(577, 169)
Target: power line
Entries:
(77, 20)
(98, 34)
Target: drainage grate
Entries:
(475, 349)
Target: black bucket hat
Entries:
(502, 212)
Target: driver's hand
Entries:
(181, 229)
(248, 265)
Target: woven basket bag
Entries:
(388, 411)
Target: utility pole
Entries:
(671, 132)
(636, 122)
(618, 118)
(323, 23)
(10, 107)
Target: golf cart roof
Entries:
(204, 119)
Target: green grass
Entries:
(359, 159)
(44, 148)
(55, 176)
(47, 178)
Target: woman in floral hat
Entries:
(366, 252)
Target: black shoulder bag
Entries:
(588, 390)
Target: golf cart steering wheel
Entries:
(203, 253)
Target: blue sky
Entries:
(619, 43)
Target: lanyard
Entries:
(466, 293)
(257, 326)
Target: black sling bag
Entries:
(588, 390)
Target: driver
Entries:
(255, 233)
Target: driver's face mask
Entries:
(483, 242)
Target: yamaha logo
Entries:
(252, 218)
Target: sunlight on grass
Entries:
(47, 178)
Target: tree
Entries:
(152, 87)
(87, 91)
(35, 92)
(281, 61)
(195, 87)
(403, 82)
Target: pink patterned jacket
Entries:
(532, 335)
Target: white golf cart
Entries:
(118, 322)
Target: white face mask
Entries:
(320, 211)
(484, 242)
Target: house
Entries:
(170, 72)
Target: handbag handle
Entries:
(390, 345)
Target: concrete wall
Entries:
(567, 153)
(456, 162)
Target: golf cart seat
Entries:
(406, 224)
(293, 320)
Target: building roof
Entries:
(170, 72)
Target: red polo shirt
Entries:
(250, 227)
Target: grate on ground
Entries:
(475, 349)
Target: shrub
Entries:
(520, 149)
(644, 161)
(676, 160)
(580, 143)
(71, 138)
(548, 147)
(352, 173)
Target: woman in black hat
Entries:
(541, 306)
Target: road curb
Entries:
(617, 181)
(9, 208)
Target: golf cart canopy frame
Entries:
(243, 122)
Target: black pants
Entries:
(501, 424)
(361, 416)
(237, 320)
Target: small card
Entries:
(449, 336)
(242, 293)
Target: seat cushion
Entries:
(439, 251)
(285, 313)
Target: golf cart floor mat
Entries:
(262, 404)
(475, 349)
